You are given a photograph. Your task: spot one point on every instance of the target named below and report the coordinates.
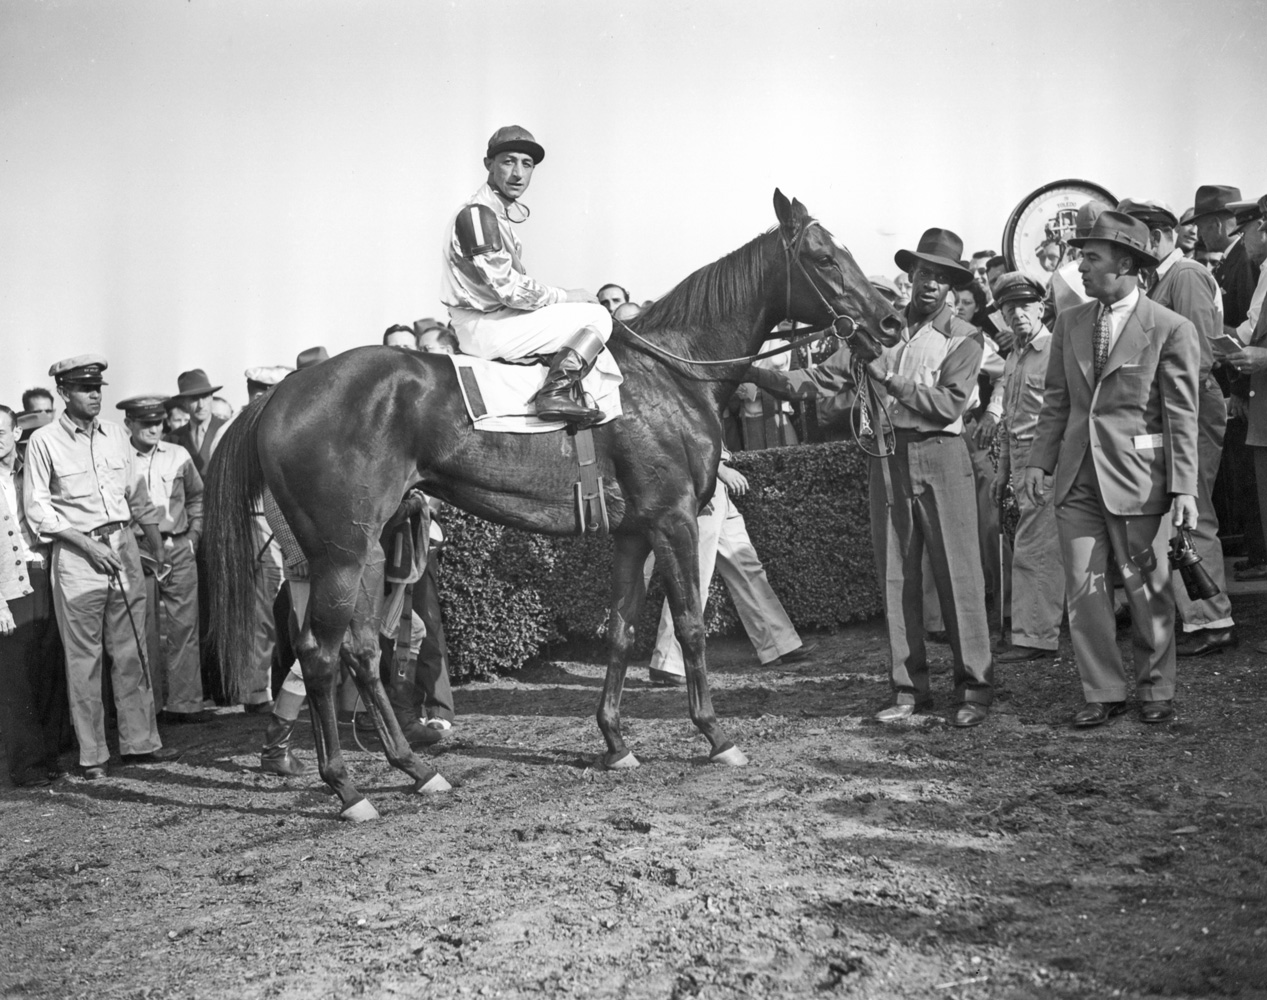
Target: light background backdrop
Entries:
(222, 184)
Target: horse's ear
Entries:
(783, 210)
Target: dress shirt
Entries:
(1118, 313)
(174, 487)
(82, 479)
(1246, 330)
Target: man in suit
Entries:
(1118, 429)
(194, 392)
(1190, 290)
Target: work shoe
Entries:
(163, 755)
(970, 713)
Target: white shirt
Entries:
(1246, 330)
(1118, 312)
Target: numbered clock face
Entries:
(1036, 239)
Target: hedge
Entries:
(508, 596)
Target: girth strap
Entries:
(591, 503)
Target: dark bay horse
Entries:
(340, 443)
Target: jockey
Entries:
(498, 311)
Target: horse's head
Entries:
(825, 284)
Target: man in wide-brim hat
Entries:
(1118, 436)
(193, 392)
(924, 494)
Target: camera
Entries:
(1184, 558)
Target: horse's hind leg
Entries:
(677, 554)
(628, 593)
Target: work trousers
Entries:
(1038, 573)
(266, 580)
(92, 612)
(432, 696)
(724, 547)
(1214, 612)
(930, 504)
(175, 666)
(1091, 536)
(32, 694)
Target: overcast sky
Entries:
(222, 184)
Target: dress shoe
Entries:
(1206, 640)
(799, 655)
(970, 713)
(38, 779)
(259, 708)
(1097, 713)
(896, 713)
(184, 718)
(664, 679)
(1156, 711)
(91, 772)
(1023, 654)
(1258, 572)
(163, 755)
(938, 635)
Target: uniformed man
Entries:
(1038, 576)
(923, 495)
(81, 492)
(498, 311)
(175, 489)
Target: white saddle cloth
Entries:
(498, 396)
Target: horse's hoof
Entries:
(622, 763)
(731, 755)
(359, 812)
(434, 784)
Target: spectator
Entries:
(1122, 377)
(1189, 289)
(222, 409)
(30, 731)
(400, 335)
(979, 266)
(766, 422)
(438, 340)
(38, 400)
(177, 418)
(1051, 254)
(971, 303)
(1038, 582)
(175, 488)
(1187, 233)
(610, 297)
(724, 544)
(194, 392)
(81, 491)
(902, 282)
(927, 497)
(1215, 221)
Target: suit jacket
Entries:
(185, 437)
(1237, 275)
(1139, 420)
(1257, 434)
(1190, 290)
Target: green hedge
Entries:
(508, 595)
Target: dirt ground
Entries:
(1020, 860)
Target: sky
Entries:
(222, 184)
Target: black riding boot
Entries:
(554, 400)
(401, 694)
(275, 756)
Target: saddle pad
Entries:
(498, 395)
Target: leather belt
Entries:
(105, 531)
(914, 434)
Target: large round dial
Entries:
(1036, 238)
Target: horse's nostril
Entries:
(891, 324)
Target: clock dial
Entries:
(1036, 238)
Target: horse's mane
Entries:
(707, 296)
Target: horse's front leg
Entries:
(677, 553)
(628, 592)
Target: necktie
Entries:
(1101, 342)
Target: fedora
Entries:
(940, 247)
(1213, 198)
(312, 356)
(1122, 229)
(192, 384)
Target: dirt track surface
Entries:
(1018, 860)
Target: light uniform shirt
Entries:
(174, 486)
(495, 280)
(82, 479)
(1023, 382)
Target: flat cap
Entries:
(268, 374)
(1014, 287)
(1150, 213)
(515, 139)
(82, 369)
(310, 357)
(149, 408)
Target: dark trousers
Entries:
(431, 694)
(930, 503)
(34, 711)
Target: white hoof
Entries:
(624, 764)
(732, 756)
(435, 783)
(359, 812)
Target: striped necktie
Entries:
(1101, 341)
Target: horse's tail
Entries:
(235, 482)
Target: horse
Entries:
(339, 443)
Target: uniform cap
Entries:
(30, 420)
(515, 139)
(1246, 212)
(268, 374)
(1016, 287)
(1151, 213)
(149, 408)
(83, 369)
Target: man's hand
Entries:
(193, 538)
(101, 557)
(1183, 513)
(1237, 407)
(7, 624)
(580, 295)
(1033, 486)
(987, 429)
(1248, 360)
(735, 481)
(876, 369)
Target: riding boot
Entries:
(402, 694)
(275, 756)
(554, 400)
